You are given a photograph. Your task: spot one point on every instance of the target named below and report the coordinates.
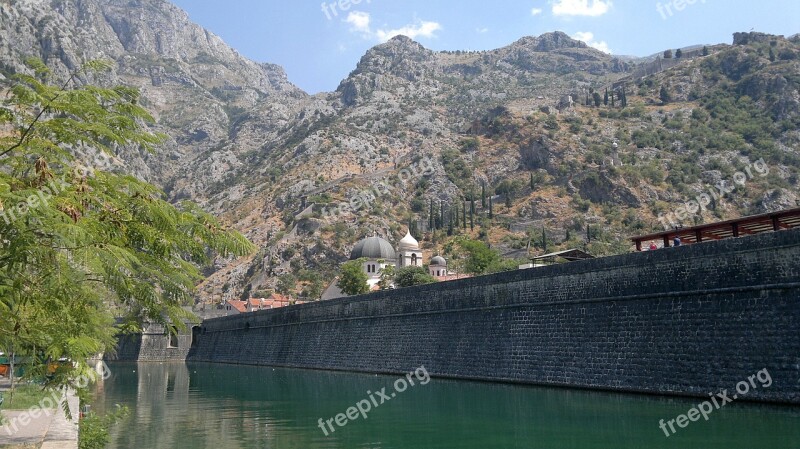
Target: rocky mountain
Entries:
(411, 131)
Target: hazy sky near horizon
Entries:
(319, 43)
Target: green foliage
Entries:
(468, 145)
(353, 279)
(458, 172)
(387, 277)
(81, 244)
(286, 284)
(479, 257)
(665, 95)
(93, 431)
(411, 276)
(24, 397)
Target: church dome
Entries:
(373, 248)
(409, 243)
(439, 261)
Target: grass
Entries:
(24, 397)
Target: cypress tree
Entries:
(491, 207)
(483, 195)
(431, 219)
(464, 216)
(544, 239)
(533, 184)
(605, 98)
(472, 214)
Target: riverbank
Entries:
(35, 428)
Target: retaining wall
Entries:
(685, 321)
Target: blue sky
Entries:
(319, 43)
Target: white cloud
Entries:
(482, 30)
(359, 21)
(536, 11)
(588, 38)
(591, 8)
(421, 28)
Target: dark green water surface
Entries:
(229, 407)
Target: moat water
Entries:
(231, 407)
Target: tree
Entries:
(665, 96)
(544, 239)
(464, 215)
(80, 244)
(532, 183)
(431, 218)
(387, 277)
(597, 99)
(613, 103)
(772, 55)
(353, 279)
(483, 195)
(667, 54)
(480, 258)
(678, 53)
(605, 98)
(472, 214)
(491, 207)
(411, 276)
(705, 51)
(286, 284)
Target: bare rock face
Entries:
(196, 86)
(251, 147)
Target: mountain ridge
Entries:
(272, 160)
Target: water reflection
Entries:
(231, 407)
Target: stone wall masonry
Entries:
(683, 321)
(152, 345)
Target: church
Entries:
(378, 253)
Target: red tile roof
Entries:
(241, 306)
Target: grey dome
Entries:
(439, 261)
(373, 248)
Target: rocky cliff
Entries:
(528, 123)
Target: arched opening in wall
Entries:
(196, 330)
(172, 337)
(414, 259)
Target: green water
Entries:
(227, 407)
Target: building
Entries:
(378, 253)
(438, 267)
(409, 253)
(235, 307)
